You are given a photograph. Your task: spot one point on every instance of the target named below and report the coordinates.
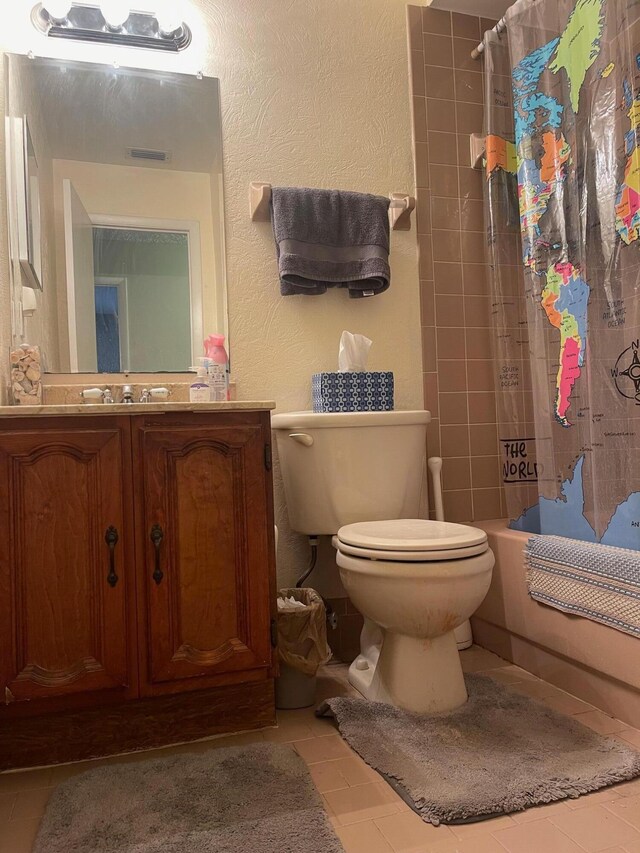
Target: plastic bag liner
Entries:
(302, 634)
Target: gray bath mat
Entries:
(256, 798)
(501, 752)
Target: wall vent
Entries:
(148, 154)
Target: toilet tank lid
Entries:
(411, 534)
(319, 420)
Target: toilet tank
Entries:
(339, 468)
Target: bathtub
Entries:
(594, 662)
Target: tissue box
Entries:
(369, 391)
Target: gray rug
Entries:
(256, 798)
(501, 752)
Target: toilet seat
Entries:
(410, 540)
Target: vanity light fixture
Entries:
(112, 22)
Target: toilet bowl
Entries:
(415, 582)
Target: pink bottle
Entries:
(218, 367)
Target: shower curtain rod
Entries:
(500, 27)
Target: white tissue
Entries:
(290, 603)
(353, 353)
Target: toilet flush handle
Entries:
(302, 438)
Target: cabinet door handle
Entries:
(111, 538)
(156, 537)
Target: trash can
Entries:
(302, 646)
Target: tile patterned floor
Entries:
(368, 816)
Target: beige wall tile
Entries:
(475, 279)
(414, 25)
(444, 180)
(449, 310)
(469, 117)
(478, 311)
(430, 381)
(419, 119)
(481, 374)
(446, 245)
(482, 407)
(442, 148)
(438, 50)
(436, 21)
(462, 48)
(468, 85)
(429, 358)
(453, 375)
(453, 408)
(466, 26)
(425, 257)
(422, 164)
(454, 440)
(458, 505)
(478, 343)
(439, 82)
(472, 216)
(456, 473)
(451, 343)
(485, 472)
(471, 181)
(445, 212)
(456, 303)
(423, 211)
(473, 246)
(447, 277)
(433, 438)
(427, 305)
(484, 439)
(417, 73)
(441, 115)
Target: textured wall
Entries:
(316, 93)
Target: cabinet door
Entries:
(206, 519)
(64, 563)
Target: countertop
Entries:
(134, 408)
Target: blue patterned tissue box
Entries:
(369, 391)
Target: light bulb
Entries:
(115, 13)
(57, 9)
(169, 19)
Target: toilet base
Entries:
(419, 675)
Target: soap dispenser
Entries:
(199, 391)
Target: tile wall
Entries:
(447, 94)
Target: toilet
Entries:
(360, 478)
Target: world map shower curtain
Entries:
(563, 171)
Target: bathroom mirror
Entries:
(124, 236)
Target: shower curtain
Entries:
(563, 170)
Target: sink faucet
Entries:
(127, 394)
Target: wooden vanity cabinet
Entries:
(137, 581)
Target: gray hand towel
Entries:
(328, 238)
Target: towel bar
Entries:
(400, 207)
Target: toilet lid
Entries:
(414, 535)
